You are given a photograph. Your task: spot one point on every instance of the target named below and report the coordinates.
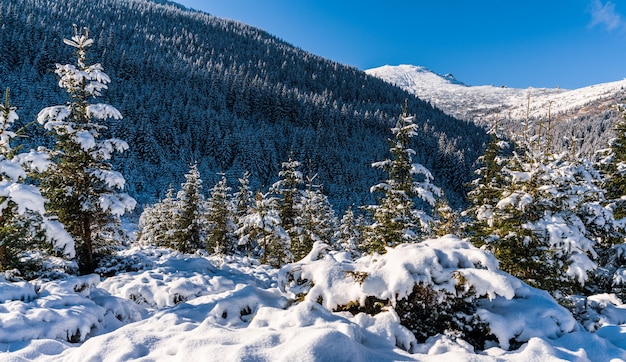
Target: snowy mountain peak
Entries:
(583, 114)
(475, 102)
(412, 77)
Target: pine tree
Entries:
(82, 188)
(349, 233)
(396, 217)
(611, 253)
(486, 190)
(315, 221)
(542, 217)
(446, 221)
(157, 222)
(220, 238)
(288, 191)
(242, 204)
(190, 228)
(24, 226)
(613, 166)
(261, 228)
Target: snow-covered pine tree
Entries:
(24, 226)
(261, 228)
(611, 274)
(397, 220)
(349, 233)
(190, 226)
(221, 227)
(543, 218)
(488, 187)
(242, 204)
(315, 220)
(81, 186)
(447, 220)
(157, 222)
(288, 188)
(613, 166)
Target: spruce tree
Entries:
(157, 222)
(24, 225)
(261, 228)
(242, 204)
(220, 238)
(81, 186)
(397, 218)
(190, 227)
(315, 221)
(349, 233)
(542, 217)
(613, 166)
(288, 191)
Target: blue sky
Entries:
(538, 43)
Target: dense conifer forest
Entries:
(194, 88)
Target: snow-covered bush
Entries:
(438, 286)
(71, 309)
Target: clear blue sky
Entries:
(538, 43)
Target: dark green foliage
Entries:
(287, 191)
(316, 220)
(261, 229)
(613, 169)
(427, 312)
(220, 238)
(190, 223)
(397, 218)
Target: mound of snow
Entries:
(70, 309)
(235, 310)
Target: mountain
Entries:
(196, 88)
(583, 114)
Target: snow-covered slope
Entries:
(180, 307)
(475, 102)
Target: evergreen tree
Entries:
(242, 204)
(157, 222)
(220, 238)
(261, 228)
(288, 191)
(542, 217)
(24, 226)
(447, 220)
(190, 228)
(486, 190)
(82, 188)
(613, 166)
(315, 221)
(349, 233)
(396, 217)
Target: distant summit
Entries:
(584, 114)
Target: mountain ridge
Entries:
(584, 114)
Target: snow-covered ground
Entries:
(474, 102)
(206, 308)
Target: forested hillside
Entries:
(196, 88)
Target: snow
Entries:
(200, 307)
(474, 102)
